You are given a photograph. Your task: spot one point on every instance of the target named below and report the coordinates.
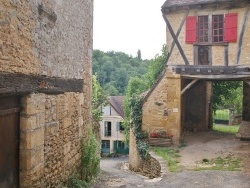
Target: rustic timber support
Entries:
(13, 84)
(226, 55)
(242, 35)
(175, 39)
(211, 70)
(189, 86)
(177, 35)
(247, 81)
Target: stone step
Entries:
(244, 131)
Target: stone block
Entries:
(32, 139)
(51, 128)
(67, 148)
(32, 178)
(66, 122)
(33, 104)
(28, 122)
(29, 159)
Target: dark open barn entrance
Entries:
(196, 106)
(196, 100)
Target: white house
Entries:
(110, 127)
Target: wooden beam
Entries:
(211, 70)
(175, 39)
(247, 81)
(242, 35)
(226, 55)
(177, 35)
(19, 84)
(189, 86)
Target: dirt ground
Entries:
(210, 145)
(198, 146)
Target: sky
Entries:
(129, 25)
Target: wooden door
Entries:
(9, 142)
(203, 55)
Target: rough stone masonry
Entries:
(45, 40)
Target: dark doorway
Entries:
(9, 142)
(196, 109)
(203, 55)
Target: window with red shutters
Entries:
(191, 29)
(231, 27)
(202, 29)
(218, 28)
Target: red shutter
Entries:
(231, 27)
(191, 29)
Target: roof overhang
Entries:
(179, 5)
(212, 72)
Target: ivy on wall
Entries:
(135, 104)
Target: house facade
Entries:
(111, 130)
(45, 90)
(207, 40)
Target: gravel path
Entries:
(115, 175)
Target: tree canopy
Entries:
(114, 69)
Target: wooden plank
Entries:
(175, 40)
(177, 35)
(9, 111)
(242, 35)
(226, 55)
(211, 70)
(189, 86)
(11, 83)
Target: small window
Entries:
(218, 28)
(107, 128)
(202, 31)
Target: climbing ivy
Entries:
(135, 104)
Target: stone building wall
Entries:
(175, 20)
(162, 108)
(51, 39)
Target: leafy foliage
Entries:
(90, 157)
(228, 94)
(115, 68)
(171, 157)
(98, 99)
(135, 104)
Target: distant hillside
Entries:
(114, 69)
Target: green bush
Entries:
(90, 157)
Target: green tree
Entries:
(227, 94)
(139, 55)
(98, 99)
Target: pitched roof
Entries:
(172, 3)
(117, 103)
(175, 5)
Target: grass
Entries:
(170, 156)
(222, 114)
(228, 163)
(226, 129)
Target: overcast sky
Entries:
(129, 25)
